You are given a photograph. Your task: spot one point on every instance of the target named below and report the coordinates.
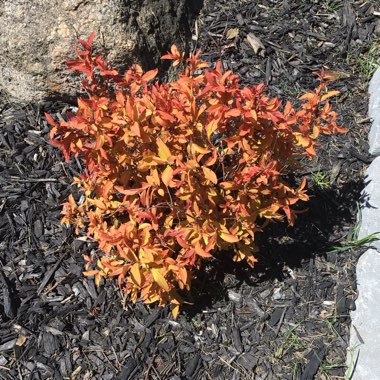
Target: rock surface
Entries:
(370, 203)
(364, 350)
(37, 36)
(365, 339)
(374, 114)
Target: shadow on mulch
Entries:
(317, 231)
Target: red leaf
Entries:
(50, 120)
(87, 44)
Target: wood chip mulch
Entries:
(286, 319)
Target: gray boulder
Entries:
(37, 37)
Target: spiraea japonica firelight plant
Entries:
(176, 171)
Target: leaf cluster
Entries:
(176, 171)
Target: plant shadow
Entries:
(328, 215)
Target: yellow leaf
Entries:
(135, 274)
(211, 127)
(160, 279)
(168, 221)
(21, 340)
(232, 33)
(199, 149)
(254, 114)
(98, 277)
(182, 274)
(270, 212)
(239, 256)
(163, 150)
(175, 310)
(98, 203)
(229, 237)
(155, 178)
(315, 133)
(167, 175)
(144, 225)
(147, 162)
(145, 255)
(145, 236)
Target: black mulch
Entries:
(286, 319)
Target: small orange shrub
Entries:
(178, 170)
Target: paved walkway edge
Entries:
(363, 355)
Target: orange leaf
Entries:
(200, 251)
(98, 203)
(136, 129)
(227, 185)
(304, 141)
(329, 95)
(174, 50)
(91, 272)
(131, 191)
(149, 75)
(234, 112)
(177, 170)
(210, 175)
(135, 274)
(308, 96)
(174, 54)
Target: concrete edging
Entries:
(363, 356)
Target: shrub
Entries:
(176, 171)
